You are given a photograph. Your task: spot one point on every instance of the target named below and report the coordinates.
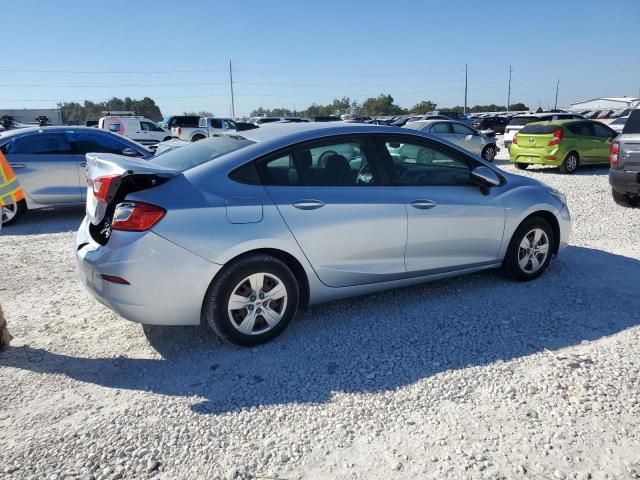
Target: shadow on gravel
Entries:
(586, 170)
(376, 343)
(46, 221)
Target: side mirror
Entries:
(485, 177)
(130, 152)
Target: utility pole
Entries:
(465, 89)
(509, 91)
(233, 107)
(555, 105)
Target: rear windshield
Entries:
(536, 129)
(523, 120)
(633, 123)
(184, 121)
(184, 158)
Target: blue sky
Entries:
(294, 53)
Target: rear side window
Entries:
(583, 129)
(441, 128)
(537, 129)
(201, 152)
(40, 144)
(602, 130)
(633, 123)
(345, 163)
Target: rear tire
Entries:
(570, 163)
(530, 250)
(166, 139)
(248, 284)
(11, 213)
(489, 153)
(625, 200)
(197, 138)
(522, 166)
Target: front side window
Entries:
(460, 129)
(441, 127)
(40, 144)
(229, 124)
(216, 123)
(328, 164)
(425, 164)
(96, 143)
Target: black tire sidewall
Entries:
(563, 167)
(215, 307)
(486, 149)
(511, 264)
(22, 207)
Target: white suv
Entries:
(139, 129)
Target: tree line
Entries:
(74, 113)
(375, 106)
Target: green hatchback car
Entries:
(562, 143)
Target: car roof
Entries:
(48, 129)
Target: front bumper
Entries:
(167, 284)
(564, 222)
(625, 182)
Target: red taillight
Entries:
(557, 137)
(114, 279)
(101, 187)
(515, 139)
(136, 216)
(179, 131)
(614, 151)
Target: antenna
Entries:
(555, 106)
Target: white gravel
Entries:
(474, 377)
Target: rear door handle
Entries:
(17, 165)
(308, 204)
(423, 204)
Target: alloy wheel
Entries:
(533, 250)
(571, 163)
(489, 154)
(257, 303)
(8, 212)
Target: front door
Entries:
(45, 166)
(350, 226)
(452, 225)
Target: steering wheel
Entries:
(365, 175)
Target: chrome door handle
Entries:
(423, 204)
(17, 165)
(308, 204)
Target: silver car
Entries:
(240, 231)
(50, 163)
(462, 135)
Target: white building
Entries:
(606, 103)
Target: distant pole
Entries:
(233, 107)
(509, 91)
(555, 105)
(465, 88)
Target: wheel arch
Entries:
(551, 219)
(290, 261)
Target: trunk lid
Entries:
(537, 135)
(119, 175)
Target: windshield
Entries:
(190, 156)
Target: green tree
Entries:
(74, 113)
(201, 113)
(423, 107)
(381, 105)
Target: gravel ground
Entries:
(474, 377)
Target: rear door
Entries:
(331, 194)
(46, 167)
(603, 137)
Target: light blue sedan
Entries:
(240, 231)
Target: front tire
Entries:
(570, 163)
(197, 138)
(252, 300)
(530, 250)
(11, 213)
(625, 200)
(489, 153)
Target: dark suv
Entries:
(624, 175)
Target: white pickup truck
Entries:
(207, 126)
